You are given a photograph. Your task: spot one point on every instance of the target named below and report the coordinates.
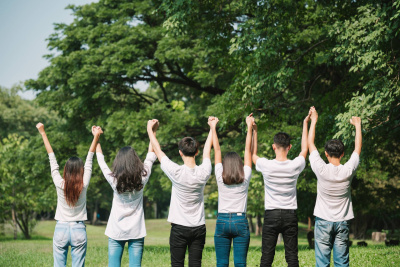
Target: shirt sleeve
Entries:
(300, 164)
(170, 168)
(218, 172)
(318, 165)
(148, 163)
(55, 173)
(206, 168)
(261, 164)
(87, 174)
(353, 162)
(105, 170)
(247, 174)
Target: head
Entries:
(188, 147)
(282, 142)
(233, 172)
(73, 180)
(128, 170)
(334, 148)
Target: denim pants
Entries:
(275, 222)
(69, 234)
(116, 249)
(330, 235)
(231, 226)
(184, 237)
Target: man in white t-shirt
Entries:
(280, 180)
(333, 208)
(186, 212)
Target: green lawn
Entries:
(38, 251)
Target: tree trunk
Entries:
(155, 209)
(251, 224)
(14, 219)
(309, 223)
(96, 207)
(258, 225)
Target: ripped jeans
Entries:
(330, 235)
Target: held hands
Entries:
(314, 114)
(96, 130)
(152, 125)
(40, 128)
(356, 121)
(251, 122)
(212, 121)
(308, 117)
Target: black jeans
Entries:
(275, 222)
(183, 237)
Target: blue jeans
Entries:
(330, 235)
(231, 226)
(116, 248)
(69, 234)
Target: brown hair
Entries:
(188, 146)
(73, 180)
(233, 172)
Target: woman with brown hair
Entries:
(71, 202)
(233, 179)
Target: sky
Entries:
(24, 27)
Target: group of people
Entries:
(129, 176)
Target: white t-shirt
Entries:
(280, 180)
(333, 188)
(64, 212)
(187, 200)
(232, 198)
(126, 219)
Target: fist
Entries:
(153, 125)
(250, 120)
(40, 127)
(212, 121)
(355, 121)
(96, 130)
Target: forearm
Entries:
(94, 143)
(358, 140)
(98, 148)
(155, 145)
(150, 146)
(304, 141)
(311, 137)
(46, 142)
(254, 148)
(247, 148)
(217, 148)
(207, 145)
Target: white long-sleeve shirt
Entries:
(64, 212)
(126, 219)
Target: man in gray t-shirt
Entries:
(333, 207)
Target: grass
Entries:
(38, 251)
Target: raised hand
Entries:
(308, 117)
(212, 121)
(153, 125)
(250, 120)
(355, 121)
(314, 114)
(96, 130)
(40, 128)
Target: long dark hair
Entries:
(128, 170)
(233, 172)
(73, 180)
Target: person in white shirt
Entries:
(71, 213)
(333, 208)
(186, 212)
(126, 221)
(280, 180)
(233, 179)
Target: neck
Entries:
(334, 161)
(280, 155)
(189, 161)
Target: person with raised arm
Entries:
(280, 180)
(71, 212)
(333, 208)
(233, 179)
(186, 212)
(126, 222)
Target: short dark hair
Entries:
(334, 148)
(282, 139)
(188, 146)
(233, 172)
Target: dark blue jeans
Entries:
(231, 226)
(275, 222)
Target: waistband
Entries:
(232, 214)
(280, 211)
(72, 222)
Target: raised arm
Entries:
(304, 136)
(46, 142)
(254, 146)
(311, 134)
(356, 121)
(153, 140)
(207, 145)
(96, 131)
(212, 121)
(247, 148)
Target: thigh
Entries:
(290, 230)
(323, 242)
(241, 242)
(135, 249)
(115, 251)
(222, 242)
(78, 243)
(196, 246)
(178, 244)
(341, 244)
(60, 244)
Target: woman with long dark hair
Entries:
(126, 221)
(233, 179)
(71, 213)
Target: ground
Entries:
(38, 251)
